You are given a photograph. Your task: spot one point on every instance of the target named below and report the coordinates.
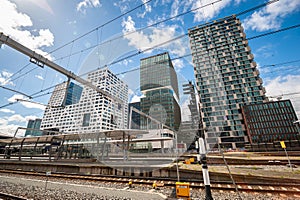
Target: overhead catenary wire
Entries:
(178, 37)
(100, 26)
(131, 70)
(148, 49)
(152, 25)
(85, 34)
(282, 63)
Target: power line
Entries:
(85, 34)
(179, 37)
(277, 31)
(161, 44)
(154, 24)
(283, 63)
(137, 30)
(254, 37)
(180, 57)
(100, 26)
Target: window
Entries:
(86, 119)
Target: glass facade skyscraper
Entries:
(270, 122)
(73, 94)
(33, 127)
(159, 86)
(226, 77)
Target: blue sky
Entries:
(45, 25)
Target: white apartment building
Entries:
(93, 112)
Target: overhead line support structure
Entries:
(41, 61)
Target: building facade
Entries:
(159, 85)
(93, 112)
(73, 94)
(226, 78)
(33, 127)
(189, 131)
(270, 122)
(135, 117)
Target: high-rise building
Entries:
(159, 85)
(271, 121)
(33, 128)
(91, 112)
(226, 78)
(73, 94)
(135, 117)
(189, 131)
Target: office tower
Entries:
(226, 77)
(189, 129)
(135, 117)
(33, 127)
(91, 112)
(270, 122)
(73, 94)
(159, 85)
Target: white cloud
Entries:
(81, 6)
(148, 8)
(13, 22)
(178, 64)
(16, 118)
(5, 78)
(39, 77)
(26, 104)
(281, 85)
(153, 37)
(265, 51)
(43, 4)
(128, 25)
(31, 117)
(271, 16)
(9, 124)
(5, 110)
(123, 5)
(9, 129)
(208, 12)
(135, 98)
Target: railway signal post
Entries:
(202, 154)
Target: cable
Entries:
(137, 53)
(283, 63)
(101, 26)
(256, 7)
(135, 31)
(87, 33)
(6, 88)
(251, 38)
(17, 72)
(254, 37)
(277, 31)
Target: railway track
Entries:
(269, 188)
(6, 196)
